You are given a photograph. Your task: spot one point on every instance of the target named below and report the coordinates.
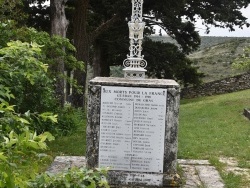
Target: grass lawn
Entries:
(210, 128)
(214, 127)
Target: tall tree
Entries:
(59, 25)
(84, 36)
(81, 42)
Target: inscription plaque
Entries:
(132, 128)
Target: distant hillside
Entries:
(215, 55)
(216, 60)
(205, 40)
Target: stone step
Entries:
(200, 173)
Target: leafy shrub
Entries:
(69, 118)
(41, 97)
(15, 155)
(72, 178)
(17, 149)
(19, 144)
(24, 69)
(26, 75)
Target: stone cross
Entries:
(135, 64)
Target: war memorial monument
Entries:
(133, 121)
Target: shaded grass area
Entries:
(72, 145)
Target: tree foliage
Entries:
(12, 10)
(98, 29)
(171, 65)
(24, 82)
(177, 19)
(38, 14)
(24, 74)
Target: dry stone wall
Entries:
(227, 85)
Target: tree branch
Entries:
(104, 26)
(150, 17)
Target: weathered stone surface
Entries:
(155, 83)
(134, 179)
(193, 162)
(119, 179)
(62, 163)
(200, 173)
(192, 180)
(210, 176)
(92, 133)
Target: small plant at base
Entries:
(72, 178)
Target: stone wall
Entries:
(227, 85)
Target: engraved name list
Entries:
(132, 128)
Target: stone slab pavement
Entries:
(200, 174)
(197, 173)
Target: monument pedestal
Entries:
(132, 128)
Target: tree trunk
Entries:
(105, 68)
(59, 25)
(81, 42)
(101, 66)
(97, 59)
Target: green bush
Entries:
(69, 119)
(25, 76)
(29, 49)
(23, 71)
(17, 150)
(72, 178)
(26, 68)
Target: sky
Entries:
(245, 32)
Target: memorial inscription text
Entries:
(132, 128)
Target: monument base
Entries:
(118, 179)
(132, 128)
